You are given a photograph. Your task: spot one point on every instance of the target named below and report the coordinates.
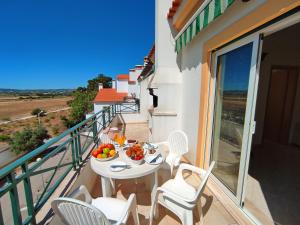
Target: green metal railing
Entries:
(27, 183)
(127, 107)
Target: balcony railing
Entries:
(127, 108)
(27, 183)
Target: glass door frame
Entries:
(249, 124)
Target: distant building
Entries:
(125, 87)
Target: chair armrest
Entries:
(185, 166)
(171, 195)
(81, 190)
(161, 143)
(131, 203)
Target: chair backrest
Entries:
(178, 142)
(204, 180)
(104, 138)
(76, 212)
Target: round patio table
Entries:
(135, 171)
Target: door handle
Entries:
(252, 127)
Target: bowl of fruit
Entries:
(136, 154)
(104, 152)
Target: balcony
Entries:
(55, 169)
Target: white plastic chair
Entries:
(105, 139)
(99, 211)
(179, 196)
(178, 145)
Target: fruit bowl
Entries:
(104, 152)
(135, 154)
(138, 162)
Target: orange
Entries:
(112, 153)
(99, 156)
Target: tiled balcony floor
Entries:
(213, 210)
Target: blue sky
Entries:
(237, 68)
(63, 43)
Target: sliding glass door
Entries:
(233, 103)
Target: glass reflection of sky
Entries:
(237, 67)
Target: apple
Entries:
(106, 150)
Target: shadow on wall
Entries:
(120, 123)
(174, 33)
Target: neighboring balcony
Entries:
(29, 184)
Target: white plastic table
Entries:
(135, 171)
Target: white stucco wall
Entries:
(131, 89)
(135, 73)
(134, 88)
(167, 77)
(122, 85)
(145, 97)
(97, 108)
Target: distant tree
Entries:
(28, 139)
(4, 138)
(67, 122)
(82, 104)
(81, 89)
(83, 97)
(36, 111)
(93, 84)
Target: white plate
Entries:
(155, 146)
(117, 169)
(151, 157)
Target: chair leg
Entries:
(201, 215)
(188, 218)
(171, 170)
(199, 210)
(134, 212)
(135, 216)
(153, 207)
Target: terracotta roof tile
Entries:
(149, 60)
(131, 82)
(151, 53)
(110, 95)
(123, 77)
(173, 9)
